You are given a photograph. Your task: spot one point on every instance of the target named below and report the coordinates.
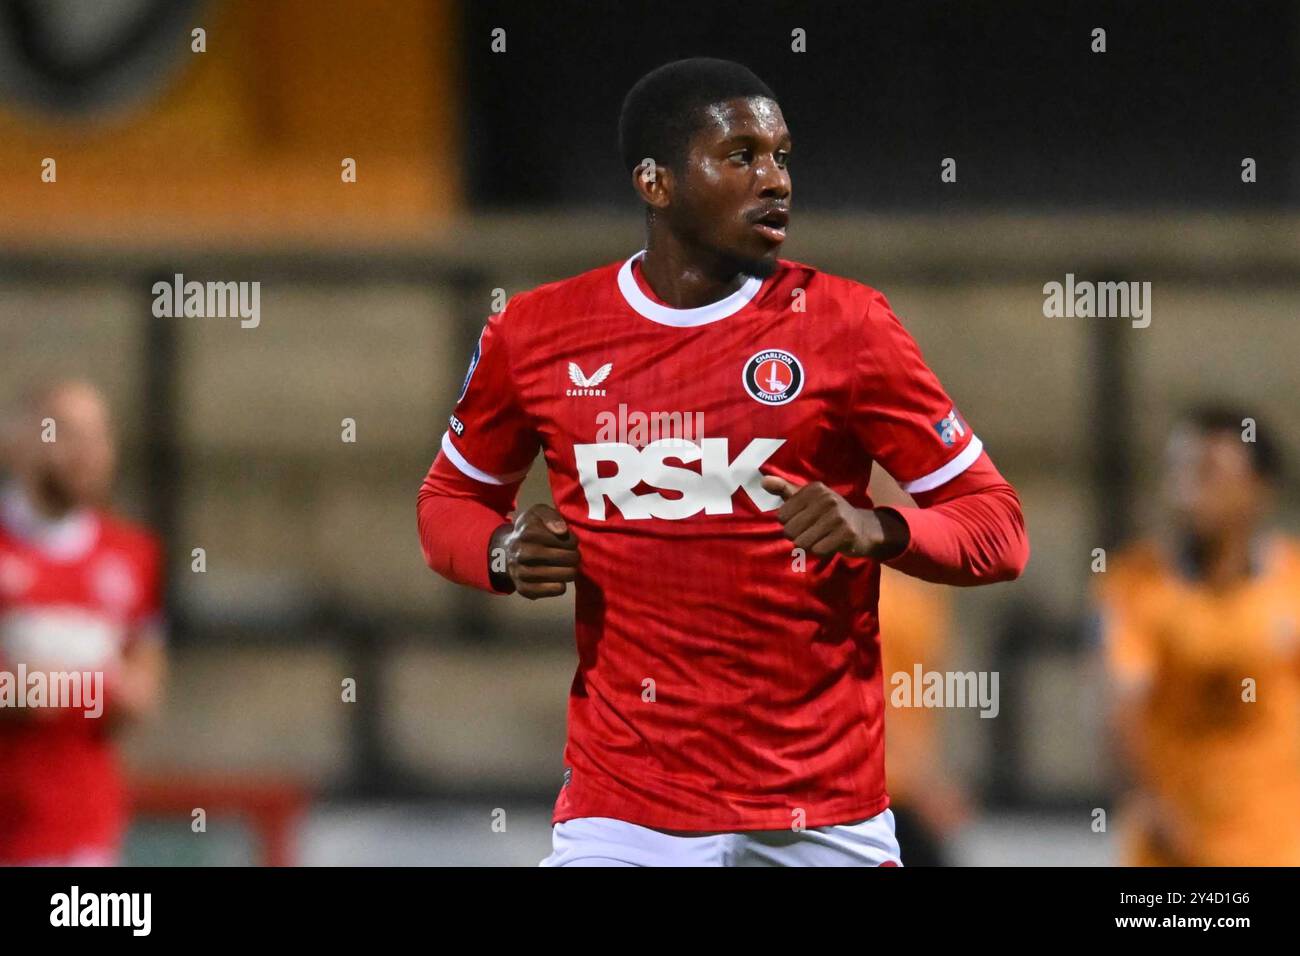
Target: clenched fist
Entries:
(821, 522)
(540, 552)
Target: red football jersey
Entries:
(73, 593)
(724, 681)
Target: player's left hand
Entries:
(820, 521)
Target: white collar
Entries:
(64, 539)
(682, 318)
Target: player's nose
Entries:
(773, 181)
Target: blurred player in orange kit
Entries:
(1199, 629)
(929, 805)
(916, 628)
(79, 608)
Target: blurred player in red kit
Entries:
(79, 599)
(709, 415)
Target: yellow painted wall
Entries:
(247, 138)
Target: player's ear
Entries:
(652, 182)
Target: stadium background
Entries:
(481, 170)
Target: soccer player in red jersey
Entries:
(79, 609)
(709, 415)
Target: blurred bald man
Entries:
(81, 648)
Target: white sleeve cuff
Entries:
(465, 468)
(943, 474)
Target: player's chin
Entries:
(758, 262)
(62, 490)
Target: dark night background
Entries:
(1011, 90)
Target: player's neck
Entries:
(681, 281)
(47, 506)
(65, 535)
(1221, 560)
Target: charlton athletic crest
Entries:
(773, 377)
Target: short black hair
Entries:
(1215, 418)
(663, 110)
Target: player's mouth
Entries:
(771, 224)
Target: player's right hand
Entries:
(541, 553)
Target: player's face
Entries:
(76, 469)
(1210, 482)
(733, 199)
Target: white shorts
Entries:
(85, 856)
(603, 841)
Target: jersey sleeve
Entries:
(900, 413)
(489, 437)
(147, 619)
